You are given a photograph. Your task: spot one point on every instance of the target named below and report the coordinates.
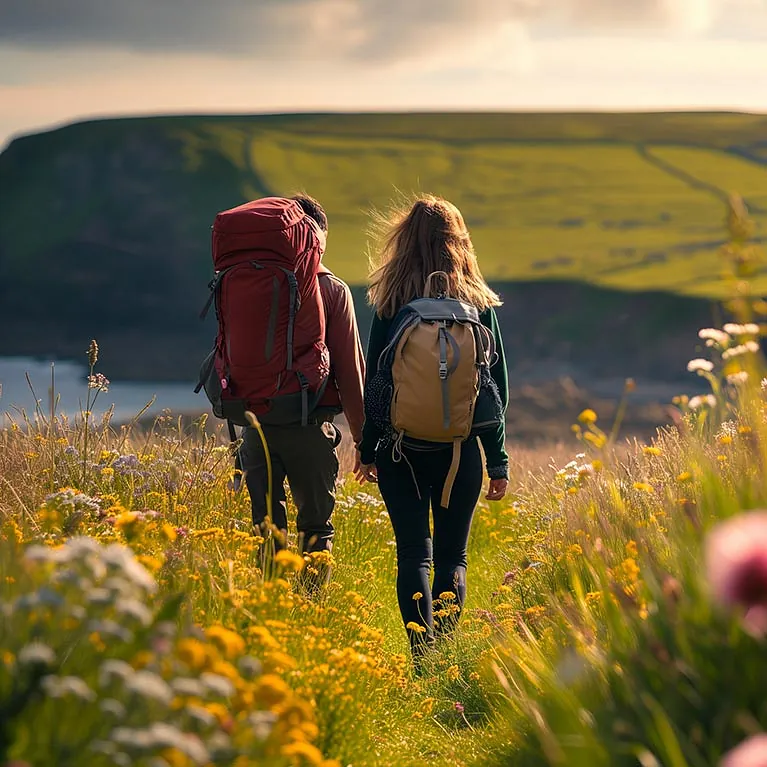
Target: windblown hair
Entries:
(312, 208)
(431, 236)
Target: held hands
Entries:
(497, 489)
(366, 473)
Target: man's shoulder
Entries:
(331, 284)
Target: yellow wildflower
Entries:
(685, 476)
(724, 439)
(270, 690)
(413, 626)
(651, 450)
(631, 549)
(588, 416)
(192, 652)
(418, 595)
(643, 487)
(453, 673)
(231, 644)
(447, 596)
(289, 560)
(168, 532)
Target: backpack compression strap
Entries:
(447, 489)
(446, 371)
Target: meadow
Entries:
(617, 607)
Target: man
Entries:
(306, 455)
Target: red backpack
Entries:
(270, 355)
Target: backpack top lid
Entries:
(270, 223)
(269, 214)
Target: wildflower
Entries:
(685, 476)
(644, 487)
(217, 684)
(150, 685)
(749, 329)
(413, 626)
(750, 347)
(62, 686)
(289, 560)
(418, 595)
(270, 690)
(700, 366)
(447, 596)
(301, 749)
(99, 382)
(588, 416)
(114, 669)
(700, 401)
(459, 707)
(712, 336)
(36, 654)
(230, 643)
(738, 379)
(453, 673)
(650, 450)
(736, 566)
(750, 753)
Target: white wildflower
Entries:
(202, 715)
(713, 336)
(218, 684)
(114, 669)
(137, 740)
(36, 654)
(113, 707)
(700, 366)
(738, 379)
(262, 723)
(168, 736)
(749, 329)
(700, 401)
(62, 686)
(150, 685)
(111, 628)
(99, 596)
(134, 609)
(750, 347)
(187, 687)
(121, 558)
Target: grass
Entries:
(616, 612)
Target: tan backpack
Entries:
(436, 353)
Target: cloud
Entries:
(357, 30)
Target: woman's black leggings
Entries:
(416, 547)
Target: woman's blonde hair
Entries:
(430, 236)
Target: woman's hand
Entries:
(497, 489)
(366, 473)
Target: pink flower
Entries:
(750, 753)
(736, 564)
(459, 707)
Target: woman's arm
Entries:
(376, 344)
(494, 442)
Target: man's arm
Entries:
(346, 356)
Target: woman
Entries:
(431, 237)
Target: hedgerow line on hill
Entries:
(644, 151)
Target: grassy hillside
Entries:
(107, 223)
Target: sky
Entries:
(68, 60)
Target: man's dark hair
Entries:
(313, 209)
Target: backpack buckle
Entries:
(443, 370)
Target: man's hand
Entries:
(366, 473)
(497, 489)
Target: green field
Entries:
(581, 202)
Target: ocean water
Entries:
(71, 390)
